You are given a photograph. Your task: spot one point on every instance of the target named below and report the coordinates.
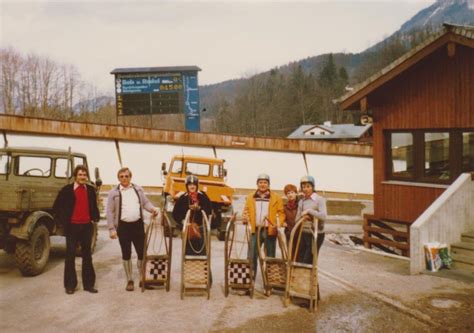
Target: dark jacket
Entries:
(64, 204)
(290, 214)
(182, 206)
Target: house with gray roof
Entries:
(329, 131)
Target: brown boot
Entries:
(130, 286)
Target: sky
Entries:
(226, 39)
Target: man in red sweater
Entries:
(76, 208)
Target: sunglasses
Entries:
(124, 176)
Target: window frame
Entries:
(454, 159)
(209, 166)
(69, 166)
(16, 171)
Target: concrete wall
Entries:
(444, 221)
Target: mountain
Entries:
(424, 22)
(449, 11)
(93, 104)
(277, 101)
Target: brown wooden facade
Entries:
(432, 88)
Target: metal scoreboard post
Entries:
(159, 91)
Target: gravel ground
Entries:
(361, 292)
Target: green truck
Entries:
(30, 179)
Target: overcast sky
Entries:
(227, 39)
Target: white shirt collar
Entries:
(123, 188)
(313, 196)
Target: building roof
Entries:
(335, 131)
(172, 69)
(38, 150)
(449, 33)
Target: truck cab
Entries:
(212, 181)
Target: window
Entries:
(198, 169)
(436, 156)
(217, 171)
(177, 166)
(431, 156)
(63, 168)
(402, 154)
(33, 166)
(79, 161)
(468, 151)
(4, 159)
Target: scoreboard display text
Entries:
(149, 94)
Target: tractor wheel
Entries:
(31, 256)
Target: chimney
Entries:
(327, 123)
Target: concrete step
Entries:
(463, 266)
(462, 258)
(468, 236)
(463, 248)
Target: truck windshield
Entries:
(4, 162)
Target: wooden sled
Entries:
(196, 269)
(156, 265)
(238, 269)
(302, 279)
(273, 269)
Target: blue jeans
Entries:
(269, 243)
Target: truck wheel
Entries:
(95, 232)
(31, 256)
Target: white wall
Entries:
(244, 166)
(333, 173)
(444, 221)
(341, 173)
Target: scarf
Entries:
(194, 198)
(292, 204)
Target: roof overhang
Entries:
(356, 99)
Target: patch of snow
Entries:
(432, 14)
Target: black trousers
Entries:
(306, 249)
(128, 233)
(82, 234)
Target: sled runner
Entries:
(156, 265)
(196, 264)
(302, 279)
(238, 264)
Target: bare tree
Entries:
(10, 62)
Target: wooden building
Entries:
(422, 107)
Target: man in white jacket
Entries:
(125, 220)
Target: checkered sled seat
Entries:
(156, 266)
(238, 264)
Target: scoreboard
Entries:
(158, 91)
(149, 95)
